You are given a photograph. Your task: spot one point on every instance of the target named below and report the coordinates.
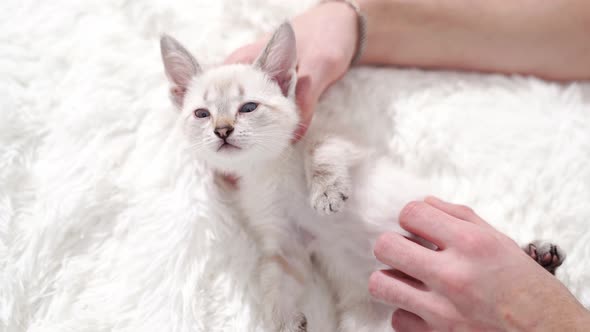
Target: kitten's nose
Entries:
(223, 132)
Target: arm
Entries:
(549, 39)
(544, 38)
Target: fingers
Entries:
(245, 54)
(396, 290)
(458, 211)
(430, 223)
(403, 320)
(402, 254)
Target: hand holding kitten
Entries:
(324, 53)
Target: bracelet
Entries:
(361, 28)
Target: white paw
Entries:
(330, 198)
(297, 322)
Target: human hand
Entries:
(326, 41)
(478, 280)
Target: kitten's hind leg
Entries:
(282, 282)
(548, 255)
(328, 163)
(284, 268)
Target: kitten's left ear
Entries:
(180, 67)
(279, 57)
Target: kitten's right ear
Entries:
(180, 67)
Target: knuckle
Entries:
(457, 282)
(476, 242)
(469, 240)
(375, 284)
(387, 292)
(396, 319)
(409, 212)
(452, 319)
(465, 210)
(382, 245)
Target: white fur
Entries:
(295, 199)
(254, 131)
(107, 223)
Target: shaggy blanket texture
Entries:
(107, 223)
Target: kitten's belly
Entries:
(346, 238)
(380, 191)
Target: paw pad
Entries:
(548, 255)
(331, 199)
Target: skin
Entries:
(548, 39)
(478, 280)
(471, 283)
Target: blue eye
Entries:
(201, 113)
(248, 107)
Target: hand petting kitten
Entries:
(323, 58)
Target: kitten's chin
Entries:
(229, 159)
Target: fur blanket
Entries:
(108, 224)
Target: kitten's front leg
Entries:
(328, 163)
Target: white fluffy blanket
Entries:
(106, 223)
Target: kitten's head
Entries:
(236, 116)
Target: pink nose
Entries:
(223, 132)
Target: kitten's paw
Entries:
(548, 255)
(300, 323)
(330, 198)
(297, 323)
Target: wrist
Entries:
(561, 313)
(574, 320)
(381, 27)
(326, 62)
(358, 23)
(583, 324)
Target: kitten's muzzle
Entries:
(223, 132)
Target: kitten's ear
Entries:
(279, 57)
(180, 67)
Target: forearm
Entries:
(544, 38)
(560, 311)
(572, 318)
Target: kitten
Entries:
(240, 119)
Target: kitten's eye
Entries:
(248, 107)
(201, 113)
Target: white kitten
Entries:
(240, 119)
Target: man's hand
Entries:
(478, 279)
